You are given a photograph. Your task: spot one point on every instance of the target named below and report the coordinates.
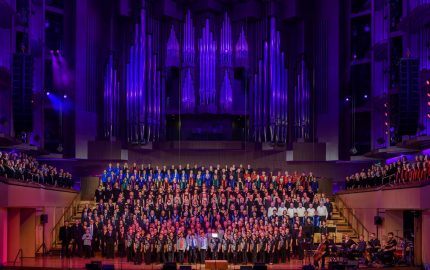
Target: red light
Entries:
(428, 82)
(386, 114)
(386, 123)
(428, 94)
(428, 103)
(428, 115)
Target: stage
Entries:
(79, 263)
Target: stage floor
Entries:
(79, 263)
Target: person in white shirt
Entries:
(290, 212)
(301, 213)
(321, 212)
(270, 210)
(311, 213)
(281, 209)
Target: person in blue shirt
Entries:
(203, 246)
(104, 176)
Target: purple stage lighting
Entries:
(65, 96)
(48, 93)
(347, 99)
(365, 96)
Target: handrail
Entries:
(350, 217)
(70, 211)
(20, 252)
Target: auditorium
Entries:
(214, 134)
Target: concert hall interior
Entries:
(214, 134)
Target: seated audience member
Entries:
(23, 167)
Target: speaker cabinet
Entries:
(43, 218)
(22, 92)
(377, 220)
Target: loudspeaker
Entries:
(92, 266)
(239, 73)
(22, 92)
(108, 267)
(185, 267)
(169, 266)
(409, 97)
(308, 267)
(245, 267)
(260, 266)
(377, 220)
(43, 218)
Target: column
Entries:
(13, 232)
(3, 235)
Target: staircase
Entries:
(76, 214)
(342, 225)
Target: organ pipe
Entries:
(188, 94)
(302, 101)
(111, 99)
(270, 92)
(207, 55)
(143, 88)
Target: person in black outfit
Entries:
(110, 240)
(387, 253)
(324, 249)
(77, 233)
(121, 243)
(65, 237)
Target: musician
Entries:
(233, 249)
(387, 253)
(65, 237)
(262, 245)
(160, 249)
(110, 240)
(361, 245)
(129, 245)
(137, 248)
(373, 244)
(213, 247)
(323, 228)
(148, 249)
(253, 247)
(245, 247)
(203, 246)
(322, 252)
(347, 246)
(223, 248)
(271, 248)
(181, 246)
(170, 248)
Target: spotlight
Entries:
(58, 51)
(51, 51)
(428, 82)
(347, 99)
(48, 93)
(365, 96)
(65, 96)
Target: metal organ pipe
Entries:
(111, 99)
(188, 96)
(302, 101)
(207, 50)
(142, 88)
(226, 95)
(270, 95)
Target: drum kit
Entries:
(404, 252)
